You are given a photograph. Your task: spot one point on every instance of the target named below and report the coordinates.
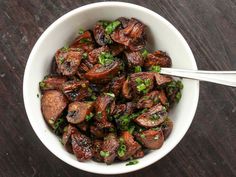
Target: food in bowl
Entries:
(105, 97)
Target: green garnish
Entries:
(42, 84)
(131, 129)
(110, 94)
(88, 117)
(61, 60)
(156, 137)
(85, 55)
(104, 153)
(145, 53)
(178, 97)
(84, 40)
(60, 125)
(93, 97)
(132, 162)
(99, 115)
(156, 69)
(38, 95)
(104, 23)
(121, 150)
(81, 31)
(65, 48)
(142, 85)
(155, 116)
(137, 69)
(112, 26)
(142, 136)
(105, 58)
(138, 80)
(90, 90)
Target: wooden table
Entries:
(209, 147)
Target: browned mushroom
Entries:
(97, 147)
(167, 127)
(103, 73)
(109, 148)
(142, 82)
(132, 36)
(66, 137)
(103, 109)
(81, 146)
(157, 58)
(162, 79)
(131, 146)
(97, 132)
(101, 37)
(153, 117)
(124, 21)
(68, 60)
(116, 85)
(116, 49)
(84, 41)
(134, 58)
(94, 54)
(52, 83)
(126, 89)
(77, 111)
(53, 103)
(138, 154)
(151, 139)
(76, 90)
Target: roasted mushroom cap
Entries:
(103, 73)
(52, 82)
(131, 146)
(81, 146)
(116, 49)
(153, 117)
(76, 90)
(162, 79)
(127, 90)
(53, 103)
(167, 127)
(134, 58)
(77, 111)
(132, 36)
(109, 148)
(94, 54)
(66, 137)
(116, 85)
(157, 58)
(100, 35)
(138, 154)
(68, 60)
(151, 139)
(84, 41)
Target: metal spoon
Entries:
(220, 77)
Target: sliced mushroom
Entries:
(68, 61)
(132, 36)
(94, 54)
(153, 117)
(134, 58)
(77, 111)
(149, 100)
(103, 73)
(84, 41)
(162, 79)
(97, 147)
(151, 139)
(116, 85)
(157, 58)
(66, 137)
(103, 109)
(138, 154)
(81, 146)
(100, 35)
(109, 147)
(53, 103)
(97, 132)
(167, 127)
(124, 21)
(142, 82)
(131, 146)
(116, 49)
(52, 83)
(126, 89)
(76, 90)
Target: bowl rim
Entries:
(74, 12)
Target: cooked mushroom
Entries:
(53, 103)
(103, 73)
(162, 79)
(68, 60)
(94, 54)
(52, 82)
(158, 58)
(134, 58)
(138, 154)
(153, 117)
(101, 37)
(151, 139)
(116, 49)
(81, 146)
(126, 89)
(97, 147)
(77, 111)
(66, 137)
(116, 85)
(167, 127)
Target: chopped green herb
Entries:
(42, 84)
(88, 117)
(179, 84)
(141, 87)
(142, 136)
(90, 90)
(145, 53)
(155, 116)
(156, 69)
(85, 55)
(61, 60)
(139, 80)
(132, 162)
(104, 23)
(112, 26)
(121, 150)
(156, 137)
(93, 97)
(105, 58)
(60, 125)
(121, 140)
(131, 129)
(38, 95)
(104, 153)
(137, 69)
(178, 96)
(147, 82)
(110, 94)
(81, 31)
(99, 115)
(65, 48)
(84, 40)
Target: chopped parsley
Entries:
(156, 69)
(112, 26)
(88, 117)
(104, 23)
(104, 153)
(132, 162)
(105, 58)
(142, 85)
(137, 69)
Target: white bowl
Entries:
(162, 35)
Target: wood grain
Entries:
(209, 147)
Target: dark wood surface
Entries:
(209, 147)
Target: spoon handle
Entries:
(220, 77)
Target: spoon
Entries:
(220, 77)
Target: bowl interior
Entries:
(162, 35)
